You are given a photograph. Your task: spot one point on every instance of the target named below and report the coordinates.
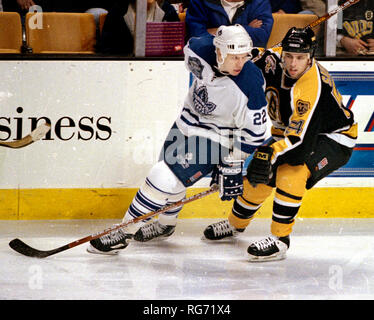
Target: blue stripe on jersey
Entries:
(251, 133)
(204, 125)
(196, 117)
(258, 141)
(200, 125)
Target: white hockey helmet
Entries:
(232, 40)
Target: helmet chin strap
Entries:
(220, 64)
(219, 68)
(225, 73)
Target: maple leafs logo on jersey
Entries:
(196, 67)
(302, 107)
(200, 101)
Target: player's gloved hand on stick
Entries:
(229, 178)
(259, 169)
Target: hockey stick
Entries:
(35, 135)
(327, 16)
(22, 248)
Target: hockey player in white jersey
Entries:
(222, 121)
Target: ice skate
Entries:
(152, 231)
(269, 249)
(111, 243)
(220, 230)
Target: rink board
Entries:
(35, 204)
(109, 120)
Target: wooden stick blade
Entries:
(35, 135)
(40, 131)
(24, 249)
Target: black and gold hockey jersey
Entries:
(302, 109)
(358, 20)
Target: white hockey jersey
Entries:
(230, 110)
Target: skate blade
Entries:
(265, 259)
(91, 249)
(157, 239)
(231, 239)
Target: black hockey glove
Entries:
(229, 178)
(259, 169)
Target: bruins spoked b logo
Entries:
(200, 101)
(369, 15)
(302, 107)
(272, 98)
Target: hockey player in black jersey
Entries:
(313, 134)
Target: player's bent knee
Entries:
(255, 195)
(161, 182)
(292, 179)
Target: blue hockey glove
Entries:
(229, 177)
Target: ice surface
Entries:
(328, 259)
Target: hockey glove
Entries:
(259, 169)
(229, 177)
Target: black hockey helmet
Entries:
(301, 40)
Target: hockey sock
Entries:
(247, 205)
(161, 187)
(290, 182)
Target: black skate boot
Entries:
(269, 249)
(221, 230)
(111, 243)
(152, 231)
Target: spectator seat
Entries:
(10, 32)
(61, 32)
(283, 22)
